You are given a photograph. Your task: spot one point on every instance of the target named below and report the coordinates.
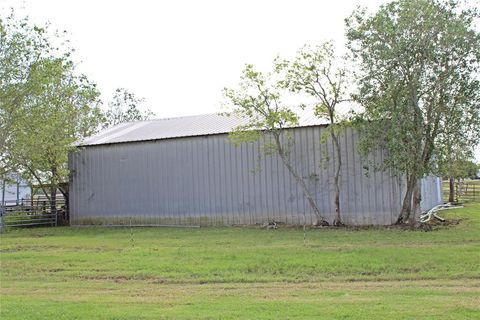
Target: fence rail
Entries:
(465, 190)
(31, 213)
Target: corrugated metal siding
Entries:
(206, 180)
(431, 192)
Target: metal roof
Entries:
(200, 125)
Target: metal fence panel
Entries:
(31, 213)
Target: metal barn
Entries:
(184, 171)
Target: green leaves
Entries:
(124, 107)
(45, 106)
(419, 86)
(258, 99)
(419, 69)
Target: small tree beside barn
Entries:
(319, 73)
(259, 100)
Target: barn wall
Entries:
(431, 192)
(206, 181)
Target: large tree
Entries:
(321, 74)
(61, 108)
(418, 80)
(46, 105)
(258, 100)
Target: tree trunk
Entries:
(65, 208)
(319, 219)
(457, 191)
(411, 209)
(417, 199)
(53, 199)
(39, 181)
(338, 218)
(53, 192)
(451, 189)
(407, 201)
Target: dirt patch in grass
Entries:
(431, 225)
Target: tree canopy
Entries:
(45, 106)
(124, 107)
(418, 84)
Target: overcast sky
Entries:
(178, 55)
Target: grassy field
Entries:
(230, 273)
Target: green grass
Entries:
(230, 273)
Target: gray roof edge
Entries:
(184, 126)
(182, 137)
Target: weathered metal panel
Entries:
(206, 180)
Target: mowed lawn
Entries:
(249, 273)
